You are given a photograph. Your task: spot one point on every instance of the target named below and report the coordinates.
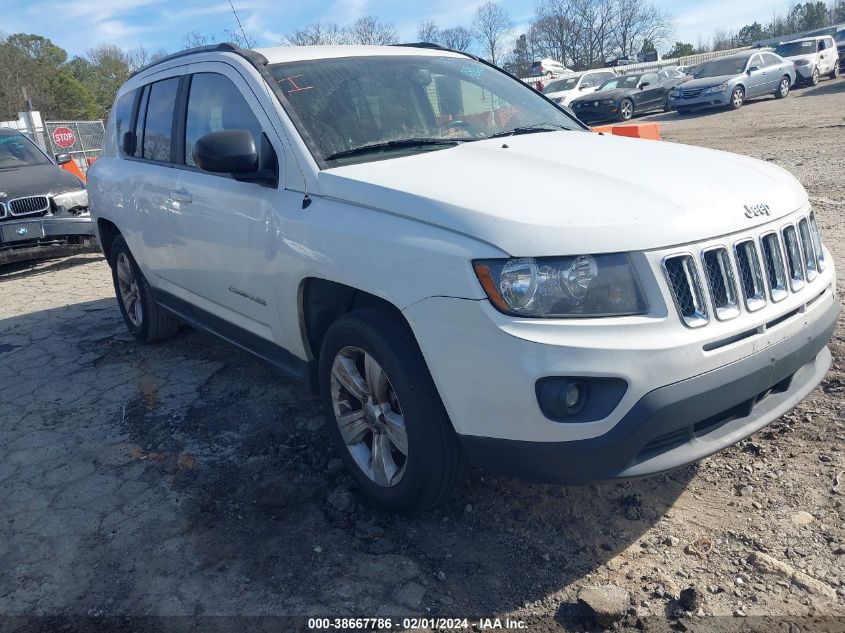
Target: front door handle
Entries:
(180, 195)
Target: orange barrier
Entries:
(73, 168)
(91, 160)
(649, 131)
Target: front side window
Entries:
(727, 66)
(158, 120)
(346, 104)
(216, 104)
(560, 85)
(631, 81)
(650, 79)
(18, 151)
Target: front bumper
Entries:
(712, 100)
(805, 72)
(679, 423)
(591, 113)
(25, 238)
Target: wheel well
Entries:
(322, 302)
(107, 231)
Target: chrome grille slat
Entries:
(817, 242)
(794, 265)
(750, 275)
(720, 279)
(774, 265)
(2, 210)
(29, 205)
(682, 274)
(808, 249)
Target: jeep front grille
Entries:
(29, 206)
(757, 269)
(682, 273)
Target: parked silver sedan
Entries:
(730, 81)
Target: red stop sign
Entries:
(64, 137)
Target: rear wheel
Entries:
(835, 72)
(145, 319)
(783, 88)
(737, 97)
(626, 110)
(385, 415)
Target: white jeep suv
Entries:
(357, 217)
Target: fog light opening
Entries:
(574, 397)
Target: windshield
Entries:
(719, 67)
(17, 151)
(353, 102)
(791, 49)
(560, 85)
(630, 81)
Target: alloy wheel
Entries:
(369, 415)
(784, 87)
(130, 294)
(816, 78)
(738, 97)
(836, 69)
(627, 109)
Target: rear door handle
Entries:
(180, 195)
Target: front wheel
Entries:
(385, 415)
(835, 72)
(145, 319)
(737, 97)
(783, 88)
(626, 110)
(814, 80)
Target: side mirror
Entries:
(583, 86)
(753, 69)
(63, 159)
(128, 143)
(644, 84)
(228, 151)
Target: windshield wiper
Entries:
(391, 145)
(530, 129)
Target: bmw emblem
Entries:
(595, 103)
(22, 231)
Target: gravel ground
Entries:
(185, 478)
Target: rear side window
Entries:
(157, 139)
(122, 115)
(216, 104)
(770, 60)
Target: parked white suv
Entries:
(563, 91)
(813, 57)
(357, 217)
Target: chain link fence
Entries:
(83, 140)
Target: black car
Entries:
(620, 98)
(43, 208)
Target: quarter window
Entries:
(216, 104)
(158, 120)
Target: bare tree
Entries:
(458, 38)
(427, 31)
(139, 57)
(553, 33)
(371, 30)
(192, 39)
(319, 33)
(240, 37)
(492, 28)
(634, 22)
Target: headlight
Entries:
(608, 101)
(719, 88)
(673, 93)
(71, 200)
(582, 285)
(802, 62)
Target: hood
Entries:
(561, 93)
(37, 180)
(706, 82)
(668, 193)
(795, 58)
(616, 93)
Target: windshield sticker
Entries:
(294, 86)
(473, 70)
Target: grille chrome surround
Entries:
(808, 249)
(29, 205)
(775, 266)
(763, 267)
(720, 279)
(794, 263)
(681, 272)
(750, 274)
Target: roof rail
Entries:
(223, 47)
(438, 47)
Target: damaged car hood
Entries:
(36, 180)
(667, 194)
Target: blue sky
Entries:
(76, 26)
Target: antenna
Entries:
(246, 39)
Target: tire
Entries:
(835, 72)
(145, 319)
(815, 78)
(737, 98)
(626, 110)
(433, 464)
(783, 87)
